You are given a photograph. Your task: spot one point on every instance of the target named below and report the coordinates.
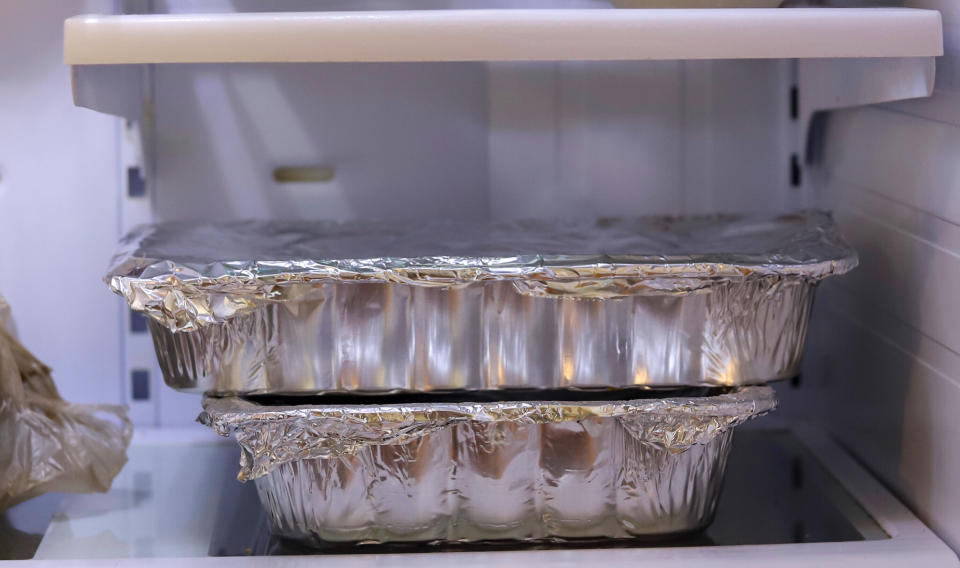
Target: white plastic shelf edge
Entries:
(503, 35)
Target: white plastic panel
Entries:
(891, 392)
(635, 138)
(501, 35)
(883, 370)
(466, 140)
(58, 206)
(402, 141)
(594, 138)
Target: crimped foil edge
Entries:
(194, 292)
(273, 435)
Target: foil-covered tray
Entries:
(306, 308)
(487, 471)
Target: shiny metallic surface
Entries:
(658, 302)
(388, 337)
(186, 275)
(467, 472)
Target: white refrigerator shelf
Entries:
(503, 35)
(792, 498)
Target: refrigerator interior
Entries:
(502, 140)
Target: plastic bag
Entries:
(6, 317)
(46, 443)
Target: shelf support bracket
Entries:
(828, 84)
(119, 90)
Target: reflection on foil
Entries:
(479, 471)
(318, 307)
(185, 275)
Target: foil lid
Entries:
(185, 275)
(270, 436)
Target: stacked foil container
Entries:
(473, 381)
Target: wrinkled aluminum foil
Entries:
(467, 472)
(186, 275)
(344, 336)
(273, 435)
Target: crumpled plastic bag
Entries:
(46, 443)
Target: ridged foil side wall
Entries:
(385, 337)
(500, 480)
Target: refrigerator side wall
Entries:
(883, 366)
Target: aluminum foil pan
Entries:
(656, 302)
(467, 472)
